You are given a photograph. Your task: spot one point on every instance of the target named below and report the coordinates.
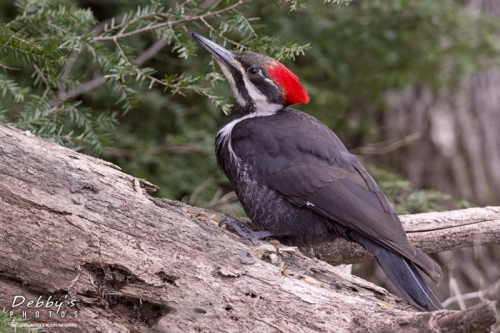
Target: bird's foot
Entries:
(243, 231)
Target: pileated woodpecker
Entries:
(297, 181)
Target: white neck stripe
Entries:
(225, 132)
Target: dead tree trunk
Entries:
(75, 228)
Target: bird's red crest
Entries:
(293, 91)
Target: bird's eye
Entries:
(253, 71)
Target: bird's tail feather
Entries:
(407, 280)
(404, 276)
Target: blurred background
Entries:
(413, 87)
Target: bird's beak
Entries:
(220, 53)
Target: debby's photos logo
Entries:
(43, 312)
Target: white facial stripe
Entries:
(261, 103)
(253, 92)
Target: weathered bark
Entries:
(72, 225)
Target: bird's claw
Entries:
(243, 231)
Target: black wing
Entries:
(305, 161)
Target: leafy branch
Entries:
(61, 47)
(169, 23)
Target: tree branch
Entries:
(430, 232)
(385, 147)
(481, 294)
(101, 80)
(169, 23)
(86, 87)
(151, 51)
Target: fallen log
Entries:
(81, 237)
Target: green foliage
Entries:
(71, 73)
(52, 50)
(36, 51)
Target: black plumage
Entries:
(296, 180)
